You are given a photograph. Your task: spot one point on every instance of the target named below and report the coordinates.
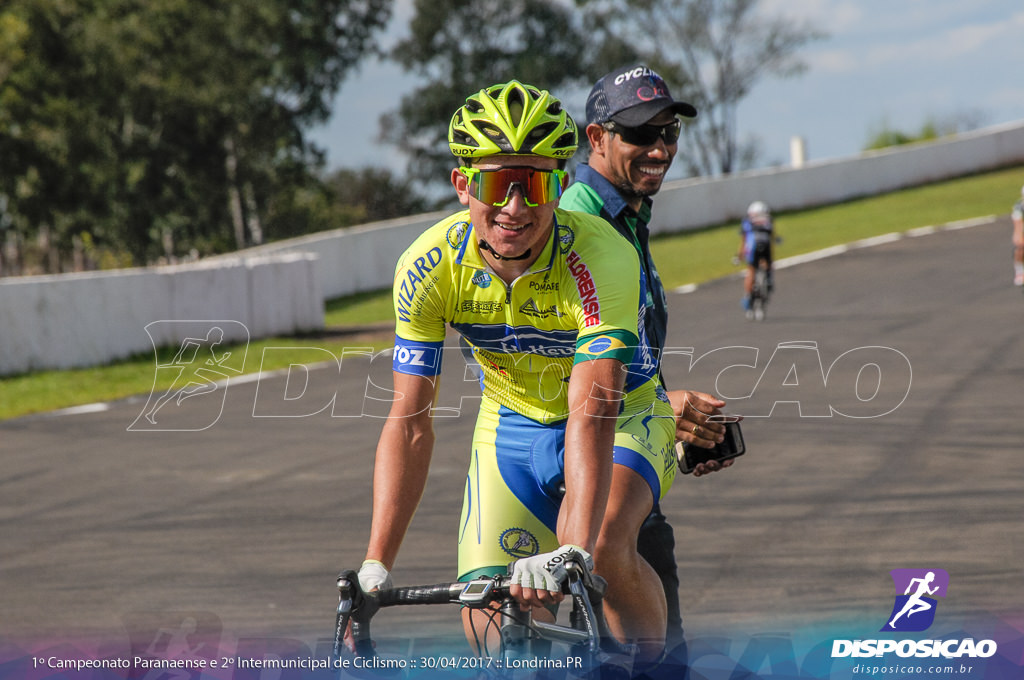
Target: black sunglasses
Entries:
(646, 135)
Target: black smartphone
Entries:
(730, 447)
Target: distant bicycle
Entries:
(760, 293)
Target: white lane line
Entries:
(864, 243)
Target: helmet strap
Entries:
(484, 245)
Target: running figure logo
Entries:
(201, 367)
(172, 645)
(914, 609)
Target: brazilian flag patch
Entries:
(617, 344)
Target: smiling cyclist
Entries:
(549, 302)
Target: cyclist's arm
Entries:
(595, 392)
(400, 469)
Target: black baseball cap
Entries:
(631, 96)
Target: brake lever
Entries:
(355, 607)
(348, 587)
(581, 584)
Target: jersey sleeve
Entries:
(605, 274)
(418, 293)
(581, 197)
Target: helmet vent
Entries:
(566, 140)
(460, 137)
(495, 134)
(516, 105)
(540, 132)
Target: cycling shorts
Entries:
(516, 471)
(759, 251)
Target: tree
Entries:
(170, 126)
(712, 53)
(344, 198)
(460, 47)
(373, 194)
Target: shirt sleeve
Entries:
(605, 274)
(418, 294)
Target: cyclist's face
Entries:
(636, 171)
(515, 227)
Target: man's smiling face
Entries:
(636, 171)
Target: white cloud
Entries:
(833, 16)
(891, 51)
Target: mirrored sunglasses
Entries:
(646, 135)
(494, 187)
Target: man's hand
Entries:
(537, 581)
(373, 575)
(694, 424)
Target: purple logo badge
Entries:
(916, 590)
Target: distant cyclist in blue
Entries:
(757, 234)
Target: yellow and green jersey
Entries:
(580, 300)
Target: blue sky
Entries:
(891, 63)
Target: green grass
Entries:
(51, 390)
(693, 257)
(706, 254)
(359, 309)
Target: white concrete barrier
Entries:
(363, 258)
(75, 320)
(356, 259)
(695, 203)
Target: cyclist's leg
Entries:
(635, 602)
(644, 469)
(1018, 264)
(768, 267)
(656, 545)
(750, 256)
(748, 286)
(508, 511)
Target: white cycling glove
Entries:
(547, 570)
(373, 575)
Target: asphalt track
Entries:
(241, 525)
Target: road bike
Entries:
(760, 292)
(581, 647)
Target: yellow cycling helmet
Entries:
(512, 118)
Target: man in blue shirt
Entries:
(633, 130)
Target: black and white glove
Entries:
(547, 570)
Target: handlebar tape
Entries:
(437, 594)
